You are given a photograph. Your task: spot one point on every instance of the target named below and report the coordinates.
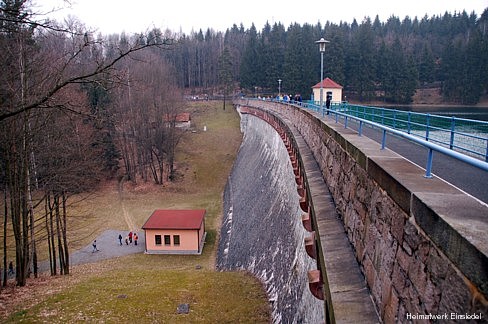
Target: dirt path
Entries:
(128, 219)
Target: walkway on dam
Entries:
(350, 297)
(462, 175)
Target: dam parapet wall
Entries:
(421, 243)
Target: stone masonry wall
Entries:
(409, 275)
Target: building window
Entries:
(157, 238)
(176, 239)
(167, 240)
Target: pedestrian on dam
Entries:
(120, 239)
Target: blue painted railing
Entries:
(463, 135)
(424, 129)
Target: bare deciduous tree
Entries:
(44, 148)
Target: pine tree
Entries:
(249, 77)
(426, 66)
(225, 73)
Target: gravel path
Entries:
(108, 247)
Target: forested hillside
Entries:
(373, 59)
(75, 109)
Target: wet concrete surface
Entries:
(261, 231)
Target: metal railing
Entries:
(463, 135)
(428, 130)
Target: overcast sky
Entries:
(115, 16)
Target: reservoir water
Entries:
(478, 113)
(470, 134)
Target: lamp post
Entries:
(322, 43)
(279, 88)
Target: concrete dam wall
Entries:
(420, 243)
(262, 232)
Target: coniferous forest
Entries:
(372, 59)
(78, 107)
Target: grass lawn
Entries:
(149, 288)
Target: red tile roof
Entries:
(179, 118)
(328, 83)
(175, 219)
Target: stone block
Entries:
(417, 274)
(438, 267)
(391, 308)
(183, 309)
(431, 297)
(369, 272)
(399, 279)
(411, 234)
(398, 220)
(455, 295)
(403, 260)
(386, 171)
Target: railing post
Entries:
(486, 153)
(453, 126)
(428, 169)
(383, 140)
(409, 122)
(345, 121)
(360, 130)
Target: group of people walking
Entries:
(131, 237)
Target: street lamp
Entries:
(279, 88)
(322, 43)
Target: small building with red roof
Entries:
(182, 120)
(330, 87)
(169, 231)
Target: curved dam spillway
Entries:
(261, 231)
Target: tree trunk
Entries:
(65, 237)
(5, 256)
(58, 235)
(33, 256)
(50, 230)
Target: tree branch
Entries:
(83, 78)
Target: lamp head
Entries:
(322, 43)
